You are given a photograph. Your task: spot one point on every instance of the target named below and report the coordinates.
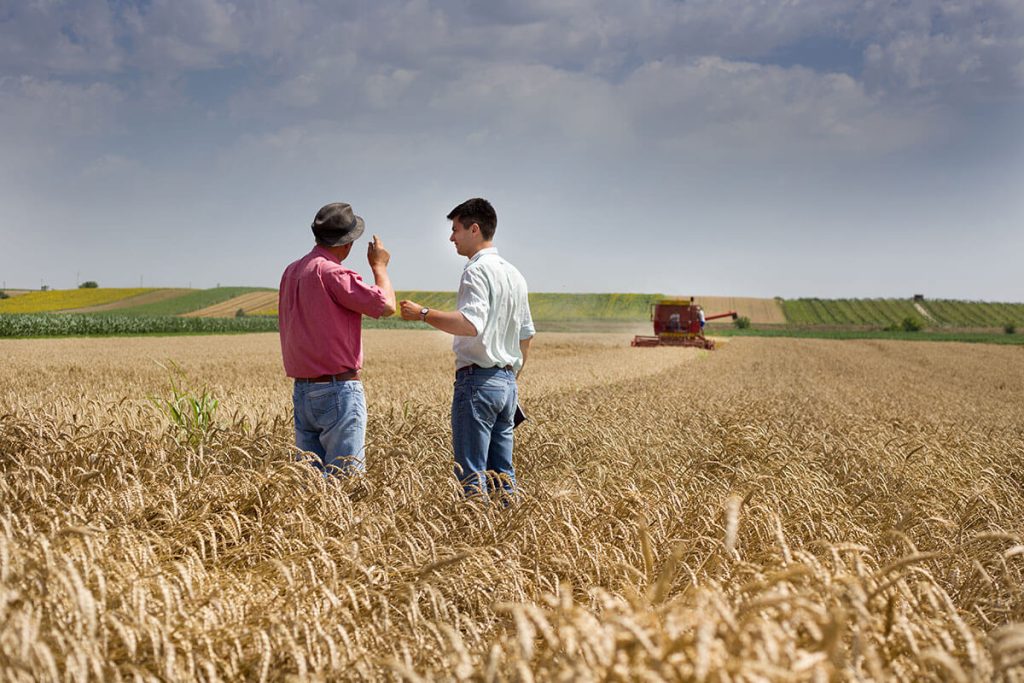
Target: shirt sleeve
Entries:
(526, 328)
(474, 299)
(348, 289)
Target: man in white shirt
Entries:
(492, 327)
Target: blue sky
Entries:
(827, 148)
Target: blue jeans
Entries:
(330, 421)
(482, 410)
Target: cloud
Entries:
(43, 39)
(955, 51)
(715, 106)
(44, 118)
(188, 34)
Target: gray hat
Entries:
(335, 225)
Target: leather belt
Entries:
(349, 376)
(471, 368)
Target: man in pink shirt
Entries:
(320, 308)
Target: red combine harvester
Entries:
(677, 323)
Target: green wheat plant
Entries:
(192, 412)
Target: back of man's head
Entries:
(479, 211)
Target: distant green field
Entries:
(189, 302)
(592, 306)
(561, 307)
(975, 313)
(883, 312)
(879, 312)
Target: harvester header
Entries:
(679, 322)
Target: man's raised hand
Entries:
(376, 254)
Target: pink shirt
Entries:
(319, 309)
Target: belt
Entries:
(470, 369)
(349, 376)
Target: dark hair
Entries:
(477, 211)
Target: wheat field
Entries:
(776, 510)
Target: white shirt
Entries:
(493, 297)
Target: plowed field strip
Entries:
(253, 301)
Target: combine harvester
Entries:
(677, 322)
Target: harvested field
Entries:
(146, 298)
(775, 510)
(758, 310)
(250, 303)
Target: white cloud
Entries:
(186, 34)
(41, 39)
(41, 118)
(956, 51)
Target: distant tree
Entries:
(910, 324)
(240, 313)
(44, 288)
(742, 322)
(1008, 328)
(88, 284)
(4, 295)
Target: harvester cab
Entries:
(678, 322)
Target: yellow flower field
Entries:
(66, 299)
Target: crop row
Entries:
(975, 313)
(56, 325)
(812, 311)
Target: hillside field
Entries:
(881, 312)
(154, 296)
(249, 303)
(800, 510)
(191, 301)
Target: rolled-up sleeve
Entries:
(526, 328)
(348, 289)
(474, 299)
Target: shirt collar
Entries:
(320, 251)
(482, 252)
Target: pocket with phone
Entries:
(519, 417)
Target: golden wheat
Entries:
(775, 510)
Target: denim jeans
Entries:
(330, 421)
(482, 410)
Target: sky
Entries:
(830, 148)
